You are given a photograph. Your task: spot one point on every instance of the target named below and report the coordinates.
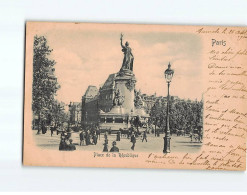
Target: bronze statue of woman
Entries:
(128, 56)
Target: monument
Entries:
(125, 78)
(124, 96)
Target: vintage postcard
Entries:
(135, 96)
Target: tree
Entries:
(58, 113)
(156, 113)
(45, 83)
(184, 114)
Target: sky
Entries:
(87, 57)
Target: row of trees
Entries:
(183, 114)
(44, 105)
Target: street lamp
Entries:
(168, 76)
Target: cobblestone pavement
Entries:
(154, 144)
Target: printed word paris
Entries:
(215, 42)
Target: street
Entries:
(154, 144)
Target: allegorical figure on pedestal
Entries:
(128, 56)
(118, 98)
(138, 102)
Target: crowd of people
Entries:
(66, 143)
(88, 137)
(91, 135)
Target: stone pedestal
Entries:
(125, 83)
(119, 116)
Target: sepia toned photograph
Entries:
(117, 91)
(113, 95)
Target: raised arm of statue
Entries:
(121, 41)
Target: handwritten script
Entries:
(225, 98)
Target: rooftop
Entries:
(91, 92)
(109, 83)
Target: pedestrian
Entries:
(51, 131)
(43, 128)
(62, 145)
(88, 139)
(39, 125)
(71, 146)
(58, 128)
(98, 133)
(129, 134)
(191, 136)
(81, 138)
(118, 136)
(200, 135)
(114, 147)
(105, 136)
(105, 149)
(131, 129)
(133, 140)
(109, 131)
(94, 138)
(144, 136)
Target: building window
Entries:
(102, 120)
(118, 120)
(109, 120)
